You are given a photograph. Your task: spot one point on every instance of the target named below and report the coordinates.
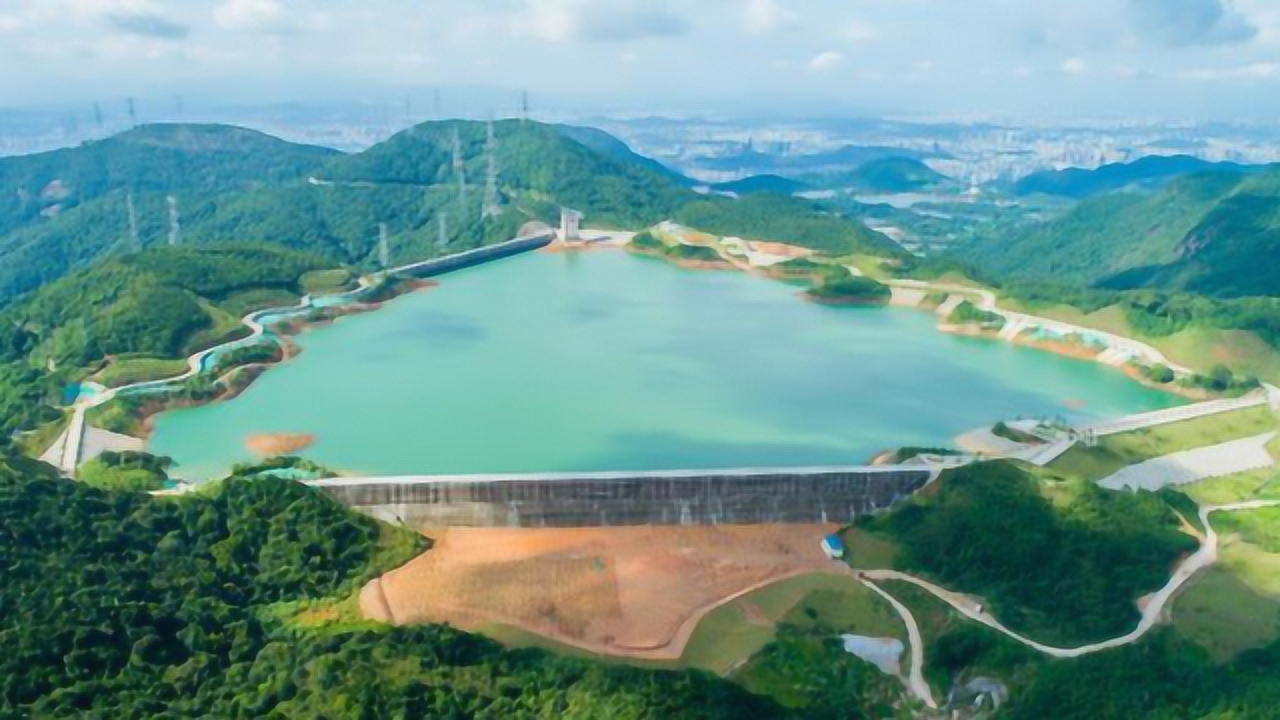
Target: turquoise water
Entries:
(608, 361)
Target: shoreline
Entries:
(236, 380)
(1061, 349)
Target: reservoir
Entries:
(608, 361)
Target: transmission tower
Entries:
(384, 256)
(175, 226)
(524, 105)
(436, 103)
(132, 216)
(443, 229)
(133, 113)
(97, 117)
(492, 203)
(459, 168)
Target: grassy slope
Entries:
(1118, 451)
(1225, 616)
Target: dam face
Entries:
(804, 495)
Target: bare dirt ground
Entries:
(635, 592)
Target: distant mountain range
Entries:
(749, 161)
(1214, 233)
(1149, 171)
(761, 184)
(886, 175)
(65, 209)
(881, 175)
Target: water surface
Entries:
(606, 361)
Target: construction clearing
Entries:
(634, 592)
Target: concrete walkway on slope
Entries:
(1190, 466)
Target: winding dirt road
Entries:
(1155, 603)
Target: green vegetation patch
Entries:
(852, 289)
(649, 243)
(1063, 572)
(320, 282)
(117, 604)
(811, 674)
(129, 370)
(1255, 484)
(789, 220)
(957, 648)
(817, 603)
(1260, 527)
(1225, 616)
(966, 313)
(127, 471)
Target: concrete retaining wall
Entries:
(606, 499)
(488, 253)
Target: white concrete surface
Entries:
(1188, 466)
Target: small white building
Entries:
(570, 224)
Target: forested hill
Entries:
(67, 209)
(1215, 233)
(1149, 171)
(604, 143)
(539, 165)
(165, 302)
(887, 175)
(116, 604)
(150, 158)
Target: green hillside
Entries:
(606, 144)
(761, 183)
(164, 302)
(148, 159)
(1148, 171)
(233, 185)
(120, 605)
(767, 216)
(538, 164)
(1204, 233)
(885, 175)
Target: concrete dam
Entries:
(679, 497)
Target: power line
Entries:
(492, 206)
(384, 256)
(175, 225)
(459, 167)
(132, 217)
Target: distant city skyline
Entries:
(1192, 59)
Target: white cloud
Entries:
(825, 61)
(762, 17)
(1255, 71)
(604, 20)
(1073, 66)
(252, 15)
(858, 31)
(10, 23)
(550, 20)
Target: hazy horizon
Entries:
(1150, 59)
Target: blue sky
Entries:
(938, 58)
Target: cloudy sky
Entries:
(971, 58)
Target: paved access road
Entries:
(1152, 608)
